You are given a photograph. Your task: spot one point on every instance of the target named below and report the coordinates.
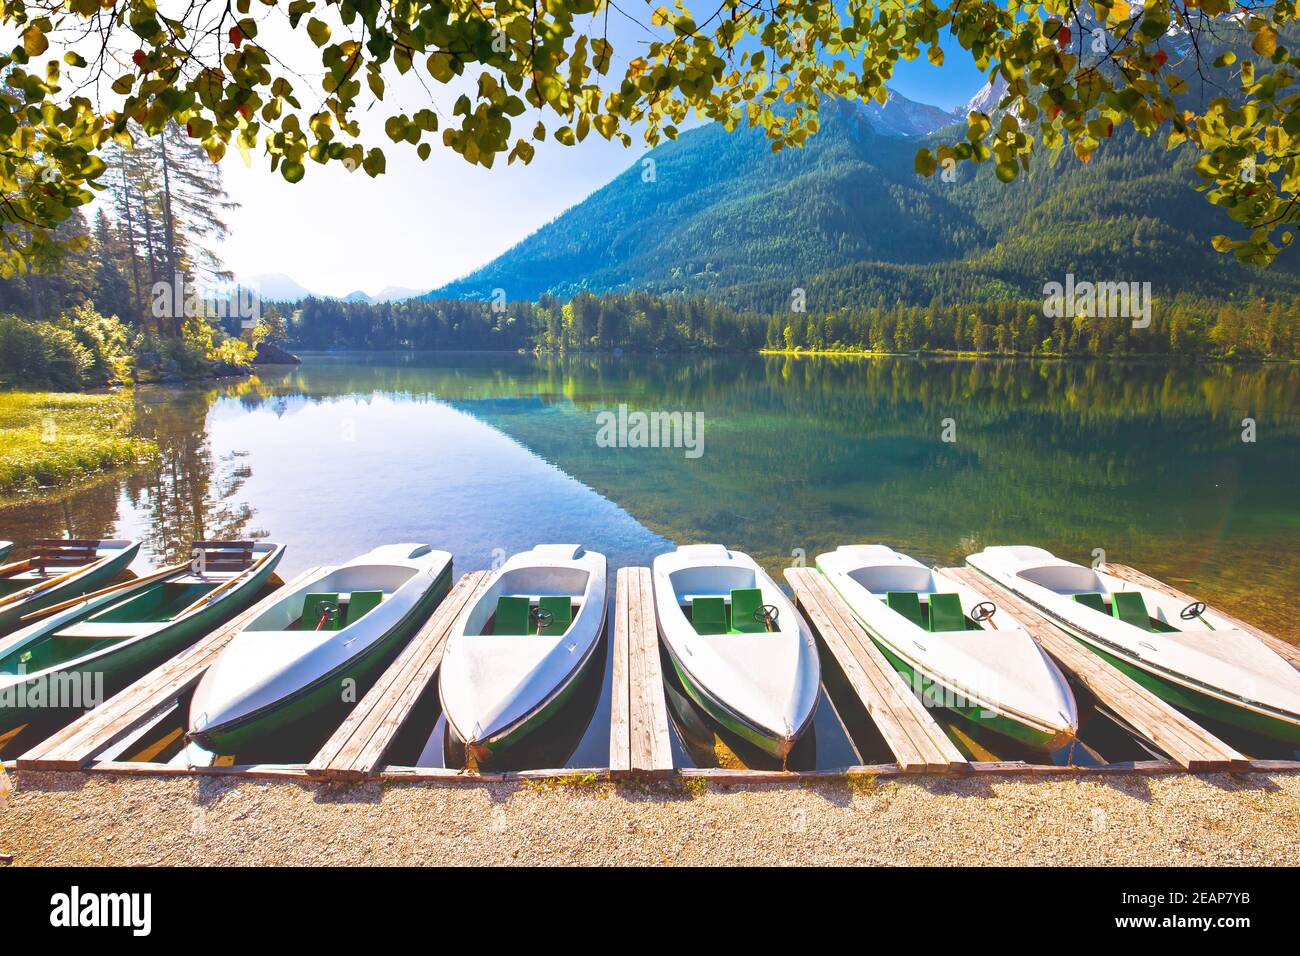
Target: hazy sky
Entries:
(422, 224)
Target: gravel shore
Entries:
(94, 819)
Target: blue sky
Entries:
(422, 224)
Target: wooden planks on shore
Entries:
(1289, 652)
(638, 721)
(357, 748)
(76, 745)
(919, 744)
(1189, 744)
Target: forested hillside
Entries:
(847, 219)
(1181, 325)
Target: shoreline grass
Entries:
(1207, 358)
(51, 440)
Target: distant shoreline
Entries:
(1143, 357)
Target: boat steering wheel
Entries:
(1193, 611)
(540, 617)
(767, 615)
(983, 611)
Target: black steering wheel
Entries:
(1193, 611)
(767, 615)
(983, 611)
(540, 617)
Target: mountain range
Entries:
(847, 219)
(278, 287)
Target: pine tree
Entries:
(112, 291)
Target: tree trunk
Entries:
(169, 233)
(132, 251)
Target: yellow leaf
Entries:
(1265, 42)
(34, 41)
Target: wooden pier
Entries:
(638, 722)
(919, 744)
(1189, 744)
(1289, 652)
(640, 742)
(77, 744)
(357, 748)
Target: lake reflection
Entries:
(485, 454)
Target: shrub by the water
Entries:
(78, 349)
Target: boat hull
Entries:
(93, 580)
(101, 677)
(935, 693)
(321, 704)
(1206, 705)
(498, 750)
(774, 746)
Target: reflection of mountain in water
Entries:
(1145, 462)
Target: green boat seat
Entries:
(511, 617)
(946, 613)
(745, 603)
(317, 605)
(561, 608)
(1131, 609)
(1094, 601)
(709, 615)
(908, 604)
(361, 603)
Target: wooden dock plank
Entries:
(620, 727)
(919, 744)
(77, 744)
(1289, 652)
(649, 744)
(1189, 744)
(356, 749)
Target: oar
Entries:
(121, 585)
(45, 585)
(15, 567)
(207, 598)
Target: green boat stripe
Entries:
(355, 660)
(950, 686)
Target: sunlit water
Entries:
(487, 454)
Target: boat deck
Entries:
(357, 748)
(918, 743)
(1289, 652)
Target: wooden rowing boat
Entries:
(57, 570)
(75, 658)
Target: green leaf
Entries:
(319, 31)
(441, 66)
